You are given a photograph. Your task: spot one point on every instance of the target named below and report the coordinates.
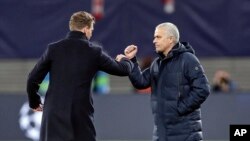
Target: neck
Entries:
(168, 50)
(79, 31)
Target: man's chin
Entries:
(157, 51)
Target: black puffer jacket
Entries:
(179, 87)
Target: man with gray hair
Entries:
(179, 86)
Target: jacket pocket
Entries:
(170, 86)
(180, 89)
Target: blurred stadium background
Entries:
(219, 31)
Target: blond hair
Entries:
(80, 19)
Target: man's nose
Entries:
(154, 41)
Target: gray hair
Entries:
(171, 30)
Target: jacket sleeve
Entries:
(199, 86)
(139, 79)
(36, 76)
(111, 66)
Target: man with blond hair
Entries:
(72, 63)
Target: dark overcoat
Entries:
(68, 108)
(179, 87)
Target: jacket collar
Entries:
(171, 53)
(76, 34)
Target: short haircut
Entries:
(80, 20)
(171, 30)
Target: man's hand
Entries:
(38, 109)
(119, 57)
(130, 51)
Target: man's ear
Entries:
(172, 39)
(84, 30)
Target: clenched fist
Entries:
(130, 51)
